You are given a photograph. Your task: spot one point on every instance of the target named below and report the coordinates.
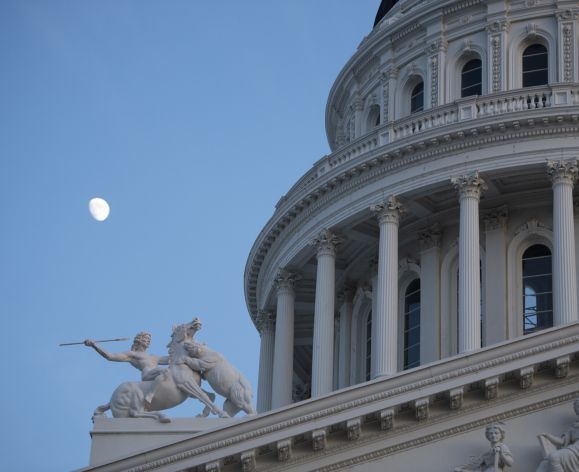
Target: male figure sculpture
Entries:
(497, 459)
(138, 357)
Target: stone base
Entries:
(115, 438)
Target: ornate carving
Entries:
(562, 367)
(567, 52)
(562, 172)
(560, 452)
(434, 81)
(387, 419)
(388, 211)
(385, 79)
(469, 185)
(213, 467)
(422, 408)
(497, 459)
(284, 450)
(499, 26)
(430, 237)
(264, 321)
(496, 218)
(491, 387)
(567, 14)
(326, 242)
(526, 377)
(353, 429)
(285, 280)
(456, 396)
(531, 226)
(248, 461)
(319, 439)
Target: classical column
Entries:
(430, 294)
(345, 338)
(495, 316)
(265, 325)
(281, 394)
(358, 109)
(470, 188)
(385, 318)
(563, 175)
(323, 343)
(373, 294)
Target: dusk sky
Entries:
(191, 118)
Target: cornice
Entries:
(536, 349)
(316, 190)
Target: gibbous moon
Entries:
(99, 208)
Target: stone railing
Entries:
(425, 404)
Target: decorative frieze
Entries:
(353, 429)
(386, 419)
(422, 409)
(526, 377)
(531, 226)
(284, 450)
(491, 388)
(496, 31)
(434, 81)
(456, 396)
(248, 461)
(319, 439)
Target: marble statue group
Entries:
(188, 363)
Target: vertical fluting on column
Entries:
(284, 340)
(563, 175)
(430, 293)
(265, 326)
(373, 265)
(345, 338)
(323, 343)
(385, 318)
(470, 188)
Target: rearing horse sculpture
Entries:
(170, 388)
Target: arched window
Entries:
(412, 325)
(417, 98)
(368, 360)
(535, 65)
(537, 289)
(373, 118)
(471, 78)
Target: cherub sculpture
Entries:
(497, 459)
(561, 454)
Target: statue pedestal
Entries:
(115, 438)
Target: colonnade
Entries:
(276, 356)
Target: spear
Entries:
(99, 341)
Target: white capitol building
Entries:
(420, 282)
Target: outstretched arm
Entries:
(115, 357)
(163, 360)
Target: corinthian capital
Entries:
(388, 211)
(264, 321)
(469, 185)
(285, 280)
(430, 237)
(562, 172)
(326, 242)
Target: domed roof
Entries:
(385, 7)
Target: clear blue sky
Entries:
(192, 118)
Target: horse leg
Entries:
(100, 410)
(207, 410)
(194, 390)
(157, 415)
(230, 408)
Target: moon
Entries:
(99, 208)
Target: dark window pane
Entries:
(417, 98)
(537, 289)
(412, 325)
(535, 66)
(471, 79)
